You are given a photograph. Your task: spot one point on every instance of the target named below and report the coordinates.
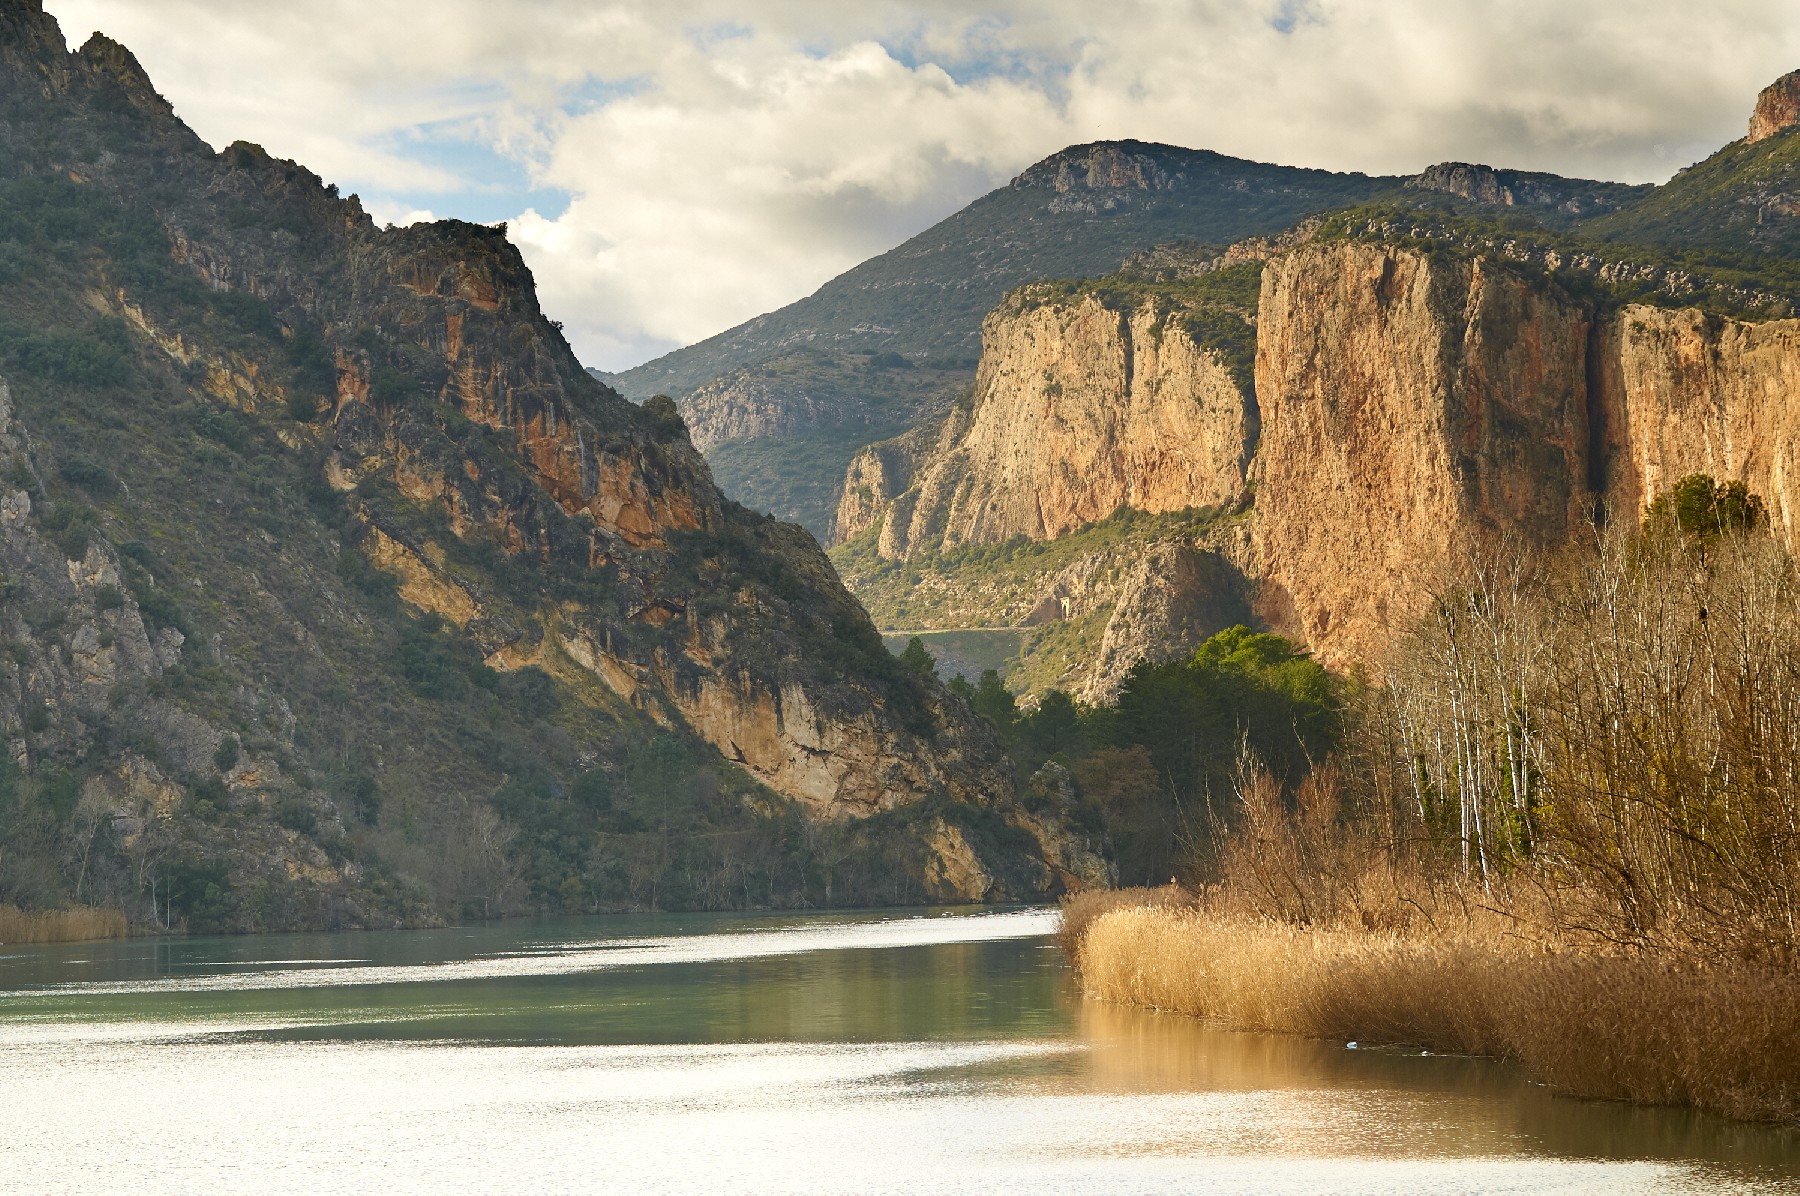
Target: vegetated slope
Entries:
(1079, 212)
(337, 593)
(1744, 198)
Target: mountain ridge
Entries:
(784, 401)
(569, 653)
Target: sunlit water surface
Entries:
(944, 1051)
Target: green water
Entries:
(729, 1053)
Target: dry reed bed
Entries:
(1725, 1038)
(73, 925)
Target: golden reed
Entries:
(76, 924)
(1723, 1037)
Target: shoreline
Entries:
(70, 924)
(1724, 1038)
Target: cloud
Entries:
(672, 169)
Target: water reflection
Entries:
(729, 1053)
(1420, 1104)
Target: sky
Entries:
(671, 168)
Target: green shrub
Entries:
(297, 816)
(392, 388)
(98, 357)
(1702, 510)
(89, 475)
(360, 793)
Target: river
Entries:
(714, 1053)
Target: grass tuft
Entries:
(73, 925)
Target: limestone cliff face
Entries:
(1080, 409)
(1413, 410)
(1174, 598)
(1777, 108)
(1408, 406)
(1684, 393)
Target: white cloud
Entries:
(721, 159)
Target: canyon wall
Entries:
(1410, 408)
(1683, 392)
(1080, 409)
(1415, 408)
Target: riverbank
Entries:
(76, 924)
(1721, 1037)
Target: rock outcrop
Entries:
(1527, 189)
(1408, 406)
(1681, 392)
(882, 472)
(1777, 108)
(1080, 409)
(1173, 600)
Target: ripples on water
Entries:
(721, 1054)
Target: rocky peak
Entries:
(1465, 180)
(105, 58)
(30, 39)
(1106, 166)
(1777, 107)
(1518, 188)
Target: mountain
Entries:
(1744, 199)
(337, 594)
(1303, 429)
(782, 402)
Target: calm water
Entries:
(723, 1053)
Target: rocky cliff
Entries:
(1080, 410)
(1420, 390)
(1777, 108)
(1417, 406)
(1683, 392)
(510, 545)
(1409, 406)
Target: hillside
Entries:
(337, 594)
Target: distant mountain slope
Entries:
(1076, 213)
(1745, 198)
(782, 403)
(804, 370)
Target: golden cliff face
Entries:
(1685, 393)
(1079, 410)
(1408, 407)
(1413, 410)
